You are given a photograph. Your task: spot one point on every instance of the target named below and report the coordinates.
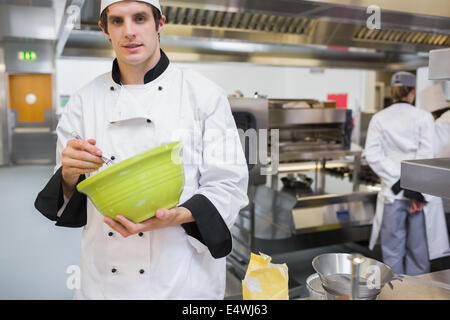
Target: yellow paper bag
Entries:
(265, 280)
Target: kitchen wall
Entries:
(73, 74)
(287, 82)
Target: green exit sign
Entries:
(27, 55)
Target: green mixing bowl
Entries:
(136, 187)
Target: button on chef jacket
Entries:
(180, 262)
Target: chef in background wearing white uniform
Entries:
(145, 102)
(433, 100)
(410, 226)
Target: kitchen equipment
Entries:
(356, 269)
(296, 180)
(251, 117)
(136, 187)
(315, 289)
(335, 271)
(303, 131)
(273, 213)
(311, 140)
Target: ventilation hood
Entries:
(332, 33)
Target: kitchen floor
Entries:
(36, 256)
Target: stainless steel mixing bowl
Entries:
(335, 271)
(315, 289)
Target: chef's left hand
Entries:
(164, 218)
(415, 206)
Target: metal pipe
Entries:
(357, 260)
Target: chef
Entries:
(410, 226)
(145, 102)
(433, 100)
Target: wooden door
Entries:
(30, 95)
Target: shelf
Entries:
(439, 68)
(431, 176)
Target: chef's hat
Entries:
(403, 79)
(107, 3)
(432, 98)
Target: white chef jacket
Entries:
(442, 136)
(167, 263)
(397, 133)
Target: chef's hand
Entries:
(79, 157)
(416, 206)
(164, 218)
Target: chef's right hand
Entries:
(79, 157)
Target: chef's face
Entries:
(132, 31)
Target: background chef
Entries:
(411, 232)
(142, 103)
(433, 100)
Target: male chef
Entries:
(143, 103)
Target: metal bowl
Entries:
(315, 289)
(335, 271)
(331, 295)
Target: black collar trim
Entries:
(151, 75)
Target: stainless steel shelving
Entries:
(431, 176)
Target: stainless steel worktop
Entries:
(423, 287)
(409, 289)
(431, 176)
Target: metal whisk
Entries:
(107, 161)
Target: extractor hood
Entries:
(331, 33)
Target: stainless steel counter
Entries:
(409, 289)
(431, 176)
(417, 288)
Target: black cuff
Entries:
(396, 187)
(51, 199)
(209, 227)
(414, 195)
